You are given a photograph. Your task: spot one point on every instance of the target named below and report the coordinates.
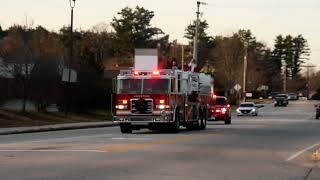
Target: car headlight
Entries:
(238, 110)
(224, 110)
(253, 110)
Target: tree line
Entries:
(111, 46)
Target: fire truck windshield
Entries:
(155, 86)
(143, 86)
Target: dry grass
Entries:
(10, 118)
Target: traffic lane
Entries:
(190, 155)
(17, 138)
(296, 110)
(244, 145)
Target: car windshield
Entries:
(247, 105)
(282, 96)
(220, 101)
(145, 86)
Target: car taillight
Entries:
(162, 101)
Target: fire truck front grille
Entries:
(141, 106)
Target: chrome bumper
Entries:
(143, 120)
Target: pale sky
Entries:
(266, 18)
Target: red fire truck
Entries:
(162, 99)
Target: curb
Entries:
(60, 127)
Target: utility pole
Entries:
(245, 67)
(284, 77)
(195, 42)
(182, 56)
(308, 77)
(72, 5)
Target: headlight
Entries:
(253, 110)
(121, 107)
(224, 110)
(161, 107)
(238, 110)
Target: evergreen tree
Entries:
(205, 41)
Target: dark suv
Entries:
(281, 100)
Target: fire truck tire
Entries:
(204, 119)
(175, 127)
(189, 126)
(125, 128)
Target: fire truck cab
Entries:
(162, 99)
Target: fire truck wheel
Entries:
(189, 126)
(200, 122)
(175, 127)
(204, 120)
(125, 128)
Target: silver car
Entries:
(247, 109)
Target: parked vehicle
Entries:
(220, 109)
(248, 108)
(281, 100)
(293, 96)
(272, 95)
(317, 111)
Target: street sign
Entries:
(249, 95)
(237, 87)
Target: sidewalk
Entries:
(57, 127)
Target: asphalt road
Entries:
(276, 145)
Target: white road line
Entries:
(302, 151)
(59, 139)
(48, 150)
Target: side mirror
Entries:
(114, 85)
